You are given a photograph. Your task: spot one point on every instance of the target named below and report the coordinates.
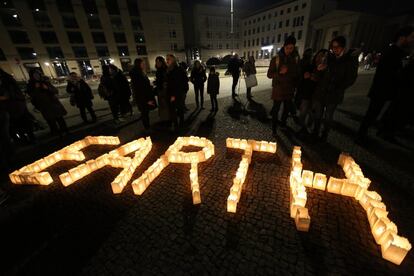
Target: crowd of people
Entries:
(307, 89)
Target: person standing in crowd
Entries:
(304, 65)
(160, 89)
(386, 81)
(306, 89)
(108, 92)
(121, 85)
(14, 102)
(142, 91)
(249, 69)
(368, 61)
(234, 66)
(198, 78)
(177, 81)
(284, 72)
(213, 87)
(339, 71)
(44, 98)
(82, 96)
(183, 65)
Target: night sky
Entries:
(384, 7)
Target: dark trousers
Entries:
(57, 125)
(177, 109)
(214, 103)
(287, 107)
(5, 141)
(114, 106)
(235, 81)
(248, 92)
(374, 109)
(304, 111)
(83, 109)
(323, 115)
(145, 118)
(125, 106)
(199, 94)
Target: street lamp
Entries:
(231, 25)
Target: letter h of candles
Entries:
(248, 146)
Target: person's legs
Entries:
(83, 113)
(374, 109)
(216, 102)
(91, 112)
(197, 95)
(288, 107)
(249, 92)
(52, 125)
(317, 112)
(62, 124)
(328, 120)
(202, 96)
(213, 104)
(233, 87)
(145, 118)
(303, 112)
(275, 113)
(113, 105)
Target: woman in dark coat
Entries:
(284, 72)
(142, 91)
(160, 89)
(121, 86)
(82, 96)
(198, 78)
(213, 87)
(44, 98)
(249, 68)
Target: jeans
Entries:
(199, 94)
(323, 114)
(214, 103)
(287, 107)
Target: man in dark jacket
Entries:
(81, 93)
(122, 89)
(234, 66)
(338, 73)
(177, 83)
(386, 79)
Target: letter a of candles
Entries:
(32, 174)
(248, 146)
(115, 158)
(175, 155)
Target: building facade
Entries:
(265, 30)
(62, 36)
(213, 36)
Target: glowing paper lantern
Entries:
(302, 219)
(335, 185)
(307, 178)
(382, 228)
(31, 174)
(395, 248)
(319, 181)
(349, 188)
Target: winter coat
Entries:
(234, 66)
(177, 82)
(307, 87)
(198, 76)
(141, 88)
(339, 75)
(121, 85)
(81, 92)
(160, 80)
(44, 97)
(284, 85)
(249, 68)
(15, 105)
(387, 75)
(213, 84)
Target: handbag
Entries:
(251, 80)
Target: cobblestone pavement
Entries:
(85, 229)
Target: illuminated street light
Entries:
(37, 10)
(34, 54)
(15, 15)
